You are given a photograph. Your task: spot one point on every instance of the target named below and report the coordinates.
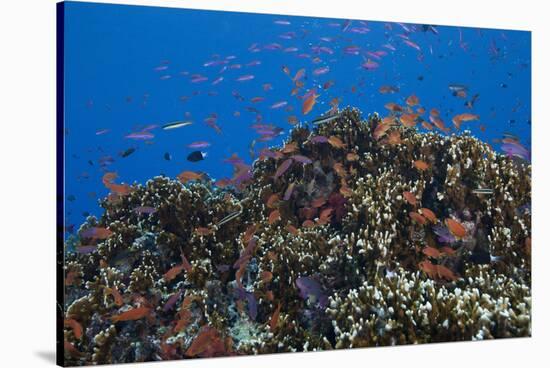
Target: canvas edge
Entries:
(60, 183)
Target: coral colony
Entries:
(355, 233)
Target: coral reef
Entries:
(345, 237)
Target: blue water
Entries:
(111, 82)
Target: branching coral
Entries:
(391, 230)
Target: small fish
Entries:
(274, 216)
(418, 218)
(196, 156)
(140, 136)
(176, 124)
(283, 168)
(456, 228)
(167, 156)
(412, 44)
(199, 144)
(127, 152)
(410, 197)
(308, 103)
(75, 326)
(132, 314)
(245, 77)
(100, 233)
(336, 142)
(321, 70)
(186, 176)
(421, 165)
(278, 105)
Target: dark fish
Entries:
(196, 156)
(128, 152)
(167, 156)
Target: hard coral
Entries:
(213, 272)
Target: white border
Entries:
(27, 191)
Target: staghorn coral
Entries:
(220, 266)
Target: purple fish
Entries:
(140, 135)
(245, 77)
(283, 168)
(288, 191)
(319, 139)
(171, 302)
(352, 50)
(102, 131)
(217, 80)
(359, 30)
(311, 289)
(515, 149)
(290, 49)
(443, 234)
(273, 46)
(370, 65)
(301, 159)
(198, 79)
(278, 105)
(282, 22)
(254, 63)
(199, 144)
(242, 294)
(322, 70)
(288, 35)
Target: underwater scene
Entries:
(240, 184)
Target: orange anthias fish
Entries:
(412, 100)
(173, 272)
(290, 147)
(116, 295)
(456, 228)
(427, 213)
(75, 326)
(186, 176)
(392, 106)
(428, 268)
(352, 156)
(273, 201)
(381, 130)
(408, 120)
(394, 138)
(275, 318)
(207, 343)
(335, 142)
(418, 218)
(308, 103)
(421, 165)
(445, 273)
(458, 119)
(274, 216)
(431, 252)
(131, 315)
(410, 197)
